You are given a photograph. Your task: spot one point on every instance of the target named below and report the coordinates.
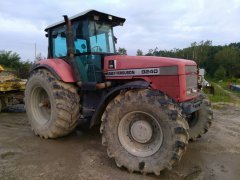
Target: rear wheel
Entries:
(52, 106)
(143, 131)
(200, 121)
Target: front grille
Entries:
(191, 81)
(190, 69)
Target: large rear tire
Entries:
(144, 131)
(52, 106)
(200, 121)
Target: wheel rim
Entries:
(41, 105)
(140, 133)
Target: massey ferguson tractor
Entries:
(148, 107)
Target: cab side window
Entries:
(59, 42)
(80, 36)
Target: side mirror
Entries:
(54, 36)
(63, 34)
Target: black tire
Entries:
(200, 121)
(3, 103)
(166, 121)
(52, 106)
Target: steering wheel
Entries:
(96, 49)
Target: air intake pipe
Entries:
(70, 50)
(71, 58)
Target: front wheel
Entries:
(143, 131)
(200, 121)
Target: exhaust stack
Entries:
(70, 50)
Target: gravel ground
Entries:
(80, 155)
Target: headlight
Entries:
(191, 91)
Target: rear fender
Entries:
(58, 67)
(96, 118)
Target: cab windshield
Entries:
(100, 37)
(89, 36)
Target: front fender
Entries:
(112, 94)
(58, 67)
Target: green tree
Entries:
(139, 52)
(229, 58)
(207, 56)
(13, 61)
(220, 73)
(9, 59)
(122, 51)
(24, 69)
(150, 52)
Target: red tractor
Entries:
(148, 107)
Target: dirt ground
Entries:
(81, 156)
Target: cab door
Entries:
(90, 67)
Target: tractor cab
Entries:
(92, 37)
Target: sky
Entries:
(149, 24)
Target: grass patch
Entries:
(225, 85)
(219, 95)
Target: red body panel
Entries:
(62, 68)
(172, 85)
(130, 62)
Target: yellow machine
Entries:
(11, 88)
(1, 69)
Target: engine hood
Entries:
(137, 62)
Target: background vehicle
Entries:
(145, 105)
(11, 89)
(204, 85)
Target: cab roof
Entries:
(113, 20)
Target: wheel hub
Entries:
(41, 105)
(141, 131)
